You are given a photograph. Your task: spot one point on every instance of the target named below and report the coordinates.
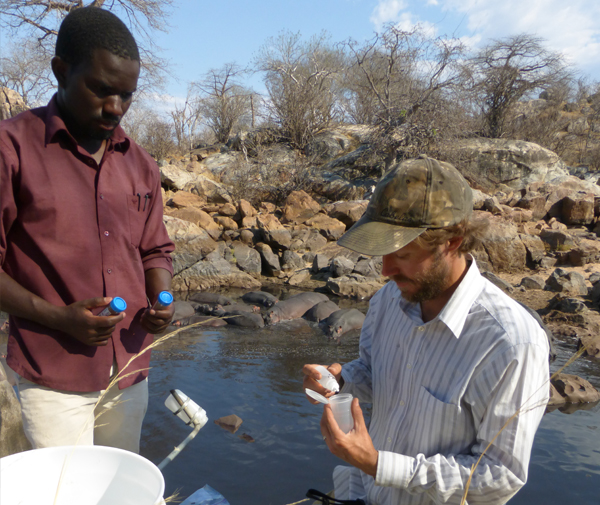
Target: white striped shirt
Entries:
(442, 390)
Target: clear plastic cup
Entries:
(340, 405)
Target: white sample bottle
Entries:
(116, 306)
(327, 379)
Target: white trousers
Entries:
(53, 417)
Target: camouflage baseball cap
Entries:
(411, 197)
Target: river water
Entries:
(256, 374)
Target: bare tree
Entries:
(185, 121)
(39, 21)
(27, 72)
(301, 80)
(224, 103)
(401, 82)
(158, 137)
(509, 69)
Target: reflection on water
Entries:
(256, 375)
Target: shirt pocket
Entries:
(138, 206)
(446, 428)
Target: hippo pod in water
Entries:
(341, 321)
(321, 310)
(260, 298)
(245, 319)
(210, 298)
(294, 307)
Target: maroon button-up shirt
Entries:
(72, 230)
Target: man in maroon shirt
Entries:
(81, 223)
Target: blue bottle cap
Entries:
(165, 298)
(118, 304)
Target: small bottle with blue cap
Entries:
(164, 300)
(115, 307)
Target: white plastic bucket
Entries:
(92, 475)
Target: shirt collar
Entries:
(119, 141)
(454, 314)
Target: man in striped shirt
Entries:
(456, 370)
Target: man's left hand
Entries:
(157, 320)
(355, 447)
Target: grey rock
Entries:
(533, 282)
(309, 257)
(354, 286)
(569, 305)
(594, 278)
(369, 267)
(247, 259)
(341, 265)
(321, 262)
(291, 260)
(494, 279)
(563, 281)
(270, 262)
(557, 239)
(12, 436)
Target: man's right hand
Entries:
(312, 375)
(79, 321)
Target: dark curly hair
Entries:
(86, 29)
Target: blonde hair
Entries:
(472, 231)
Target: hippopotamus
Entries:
(321, 310)
(294, 307)
(261, 298)
(341, 321)
(182, 310)
(211, 298)
(213, 322)
(245, 319)
(219, 310)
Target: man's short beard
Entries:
(432, 283)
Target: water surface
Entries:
(256, 374)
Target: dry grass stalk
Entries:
(514, 416)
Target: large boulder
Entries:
(330, 228)
(299, 206)
(354, 286)
(502, 247)
(185, 199)
(273, 232)
(11, 103)
(213, 272)
(176, 177)
(512, 163)
(247, 259)
(336, 142)
(572, 389)
(204, 186)
(347, 212)
(12, 436)
(192, 243)
(564, 281)
(200, 218)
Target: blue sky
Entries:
(205, 35)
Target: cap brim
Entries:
(375, 238)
